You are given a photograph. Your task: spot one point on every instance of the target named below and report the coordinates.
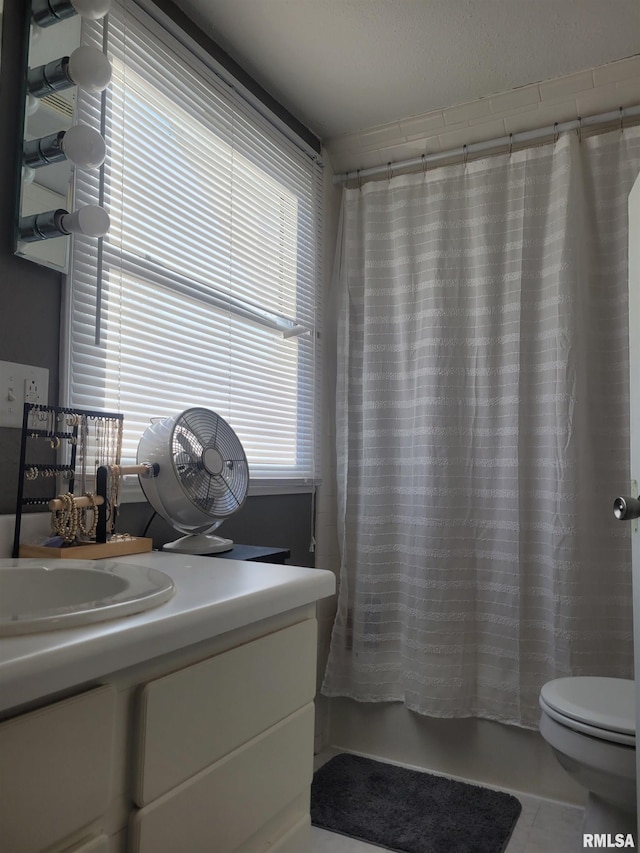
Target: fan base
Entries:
(199, 543)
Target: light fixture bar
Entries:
(40, 226)
(45, 13)
(41, 152)
(87, 67)
(90, 221)
(81, 145)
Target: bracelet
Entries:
(82, 515)
(64, 521)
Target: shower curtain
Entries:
(482, 418)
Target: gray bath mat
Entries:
(409, 811)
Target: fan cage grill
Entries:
(217, 490)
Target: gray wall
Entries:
(29, 294)
(30, 334)
(279, 522)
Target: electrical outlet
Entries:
(32, 391)
(20, 384)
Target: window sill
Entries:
(131, 492)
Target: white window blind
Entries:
(204, 292)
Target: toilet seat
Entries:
(601, 707)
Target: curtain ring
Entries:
(389, 171)
(510, 144)
(621, 120)
(556, 133)
(465, 155)
(424, 164)
(579, 129)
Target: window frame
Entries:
(192, 54)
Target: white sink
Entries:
(45, 595)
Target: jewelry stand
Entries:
(73, 434)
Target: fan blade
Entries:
(186, 445)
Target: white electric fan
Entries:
(201, 477)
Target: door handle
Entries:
(626, 509)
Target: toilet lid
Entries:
(604, 703)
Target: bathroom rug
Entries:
(410, 811)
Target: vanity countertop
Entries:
(212, 596)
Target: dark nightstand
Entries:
(256, 554)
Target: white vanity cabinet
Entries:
(56, 768)
(225, 749)
(208, 749)
(183, 729)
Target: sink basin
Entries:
(46, 595)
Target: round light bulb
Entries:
(91, 9)
(84, 147)
(91, 221)
(90, 69)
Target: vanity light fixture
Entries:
(81, 145)
(91, 221)
(87, 67)
(48, 12)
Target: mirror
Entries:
(53, 143)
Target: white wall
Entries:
(598, 90)
(479, 750)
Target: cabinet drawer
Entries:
(55, 770)
(189, 719)
(224, 805)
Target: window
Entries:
(204, 291)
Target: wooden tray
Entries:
(91, 551)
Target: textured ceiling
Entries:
(347, 65)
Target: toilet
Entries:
(590, 724)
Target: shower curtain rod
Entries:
(618, 115)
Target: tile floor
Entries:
(544, 826)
